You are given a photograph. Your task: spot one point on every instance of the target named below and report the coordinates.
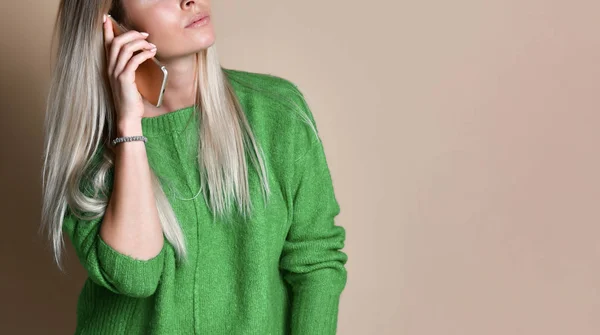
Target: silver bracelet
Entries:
(129, 139)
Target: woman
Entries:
(217, 215)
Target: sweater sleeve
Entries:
(107, 267)
(312, 261)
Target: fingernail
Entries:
(104, 18)
(145, 34)
(153, 46)
(153, 50)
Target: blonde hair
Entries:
(80, 117)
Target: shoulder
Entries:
(247, 80)
(268, 89)
(274, 104)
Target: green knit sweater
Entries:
(282, 272)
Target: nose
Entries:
(187, 3)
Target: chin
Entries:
(203, 41)
(204, 38)
(198, 47)
(189, 47)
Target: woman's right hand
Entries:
(121, 66)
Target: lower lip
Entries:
(199, 23)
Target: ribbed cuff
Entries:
(130, 276)
(314, 312)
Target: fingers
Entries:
(117, 43)
(128, 73)
(127, 52)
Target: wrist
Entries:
(129, 127)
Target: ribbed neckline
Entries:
(171, 122)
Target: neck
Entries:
(180, 90)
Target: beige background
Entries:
(462, 138)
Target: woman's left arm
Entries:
(312, 261)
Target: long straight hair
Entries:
(79, 121)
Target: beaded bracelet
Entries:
(129, 139)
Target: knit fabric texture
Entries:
(281, 272)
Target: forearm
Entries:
(131, 223)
